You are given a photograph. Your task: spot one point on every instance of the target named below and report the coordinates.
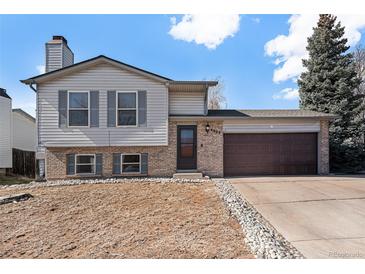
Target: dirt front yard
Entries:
(127, 220)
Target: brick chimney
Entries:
(58, 54)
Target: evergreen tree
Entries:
(328, 85)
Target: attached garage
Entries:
(270, 154)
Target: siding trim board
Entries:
(271, 126)
(271, 129)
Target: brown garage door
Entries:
(265, 154)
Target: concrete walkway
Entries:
(322, 216)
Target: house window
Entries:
(78, 109)
(131, 163)
(127, 109)
(85, 164)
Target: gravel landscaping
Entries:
(119, 218)
(35, 184)
(261, 237)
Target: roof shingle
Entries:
(269, 113)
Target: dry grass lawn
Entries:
(130, 220)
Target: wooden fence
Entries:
(23, 163)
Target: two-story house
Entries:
(102, 117)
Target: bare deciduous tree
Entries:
(216, 99)
(359, 59)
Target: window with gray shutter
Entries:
(116, 163)
(111, 108)
(99, 164)
(62, 108)
(144, 163)
(94, 108)
(142, 108)
(70, 164)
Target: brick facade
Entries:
(210, 149)
(161, 159)
(323, 148)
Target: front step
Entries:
(188, 175)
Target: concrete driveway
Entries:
(322, 216)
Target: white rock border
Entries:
(260, 236)
(116, 180)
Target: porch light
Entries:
(207, 127)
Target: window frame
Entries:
(68, 108)
(117, 108)
(94, 163)
(121, 163)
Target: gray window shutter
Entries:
(70, 164)
(116, 163)
(142, 108)
(111, 108)
(94, 108)
(62, 108)
(99, 164)
(144, 163)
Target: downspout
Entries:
(37, 114)
(38, 176)
(206, 100)
(31, 86)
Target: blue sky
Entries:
(239, 58)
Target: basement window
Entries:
(131, 163)
(85, 164)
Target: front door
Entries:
(186, 147)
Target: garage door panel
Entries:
(265, 154)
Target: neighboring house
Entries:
(24, 131)
(5, 131)
(17, 131)
(102, 117)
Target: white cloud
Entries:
(287, 94)
(289, 50)
(173, 20)
(256, 20)
(206, 29)
(41, 69)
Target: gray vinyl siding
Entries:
(271, 126)
(53, 56)
(189, 103)
(6, 131)
(24, 133)
(67, 56)
(103, 77)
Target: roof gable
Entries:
(89, 63)
(24, 114)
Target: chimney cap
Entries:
(59, 37)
